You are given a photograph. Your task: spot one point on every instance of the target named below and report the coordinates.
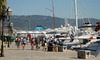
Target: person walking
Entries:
(18, 43)
(27, 40)
(23, 42)
(21, 39)
(32, 43)
(36, 42)
(44, 44)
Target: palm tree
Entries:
(2, 6)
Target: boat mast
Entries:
(53, 13)
(76, 17)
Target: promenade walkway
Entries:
(13, 54)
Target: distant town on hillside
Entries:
(31, 21)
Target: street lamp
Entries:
(9, 12)
(5, 13)
(10, 29)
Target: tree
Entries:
(2, 6)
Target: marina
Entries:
(19, 41)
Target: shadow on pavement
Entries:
(74, 57)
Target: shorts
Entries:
(24, 43)
(43, 44)
(16, 41)
(32, 44)
(18, 44)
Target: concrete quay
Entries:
(13, 54)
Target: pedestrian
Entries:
(44, 44)
(21, 39)
(36, 42)
(32, 43)
(18, 43)
(27, 40)
(23, 42)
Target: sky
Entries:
(62, 8)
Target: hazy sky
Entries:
(63, 8)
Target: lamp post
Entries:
(10, 24)
(9, 12)
(10, 29)
(5, 13)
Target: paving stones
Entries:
(13, 54)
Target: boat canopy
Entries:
(39, 28)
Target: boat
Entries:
(82, 38)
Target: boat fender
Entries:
(91, 37)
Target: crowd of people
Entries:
(37, 42)
(34, 42)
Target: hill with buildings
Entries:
(31, 21)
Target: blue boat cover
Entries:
(39, 29)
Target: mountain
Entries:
(31, 21)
